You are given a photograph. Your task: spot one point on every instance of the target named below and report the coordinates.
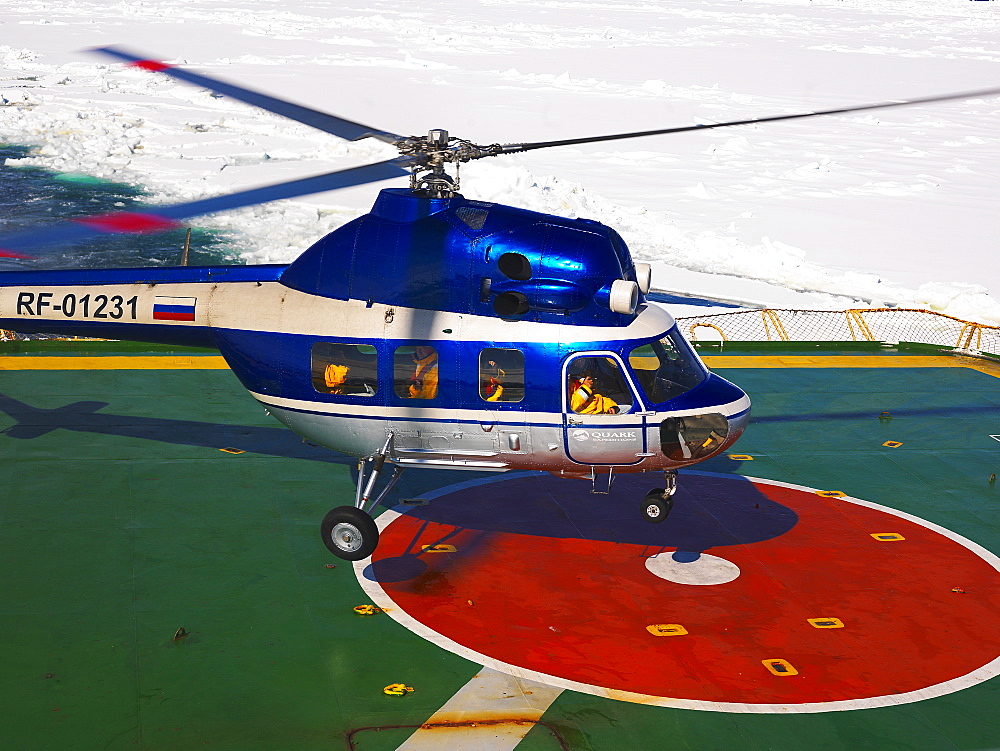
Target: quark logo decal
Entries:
(614, 435)
(604, 436)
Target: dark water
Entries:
(30, 196)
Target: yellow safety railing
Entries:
(771, 319)
(975, 330)
(855, 318)
(706, 325)
(854, 325)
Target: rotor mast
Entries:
(431, 153)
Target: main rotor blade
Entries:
(519, 147)
(163, 218)
(338, 126)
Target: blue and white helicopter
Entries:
(435, 331)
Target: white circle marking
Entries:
(705, 570)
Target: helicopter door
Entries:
(602, 420)
(422, 391)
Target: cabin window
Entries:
(597, 387)
(501, 375)
(345, 369)
(415, 372)
(666, 368)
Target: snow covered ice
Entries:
(892, 207)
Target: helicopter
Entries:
(433, 332)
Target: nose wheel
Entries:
(658, 501)
(656, 507)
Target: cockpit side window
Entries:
(667, 368)
(597, 387)
(345, 369)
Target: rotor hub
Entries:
(433, 152)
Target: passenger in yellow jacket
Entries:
(492, 389)
(335, 377)
(585, 401)
(424, 383)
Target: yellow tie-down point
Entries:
(441, 548)
(892, 444)
(666, 629)
(826, 622)
(831, 493)
(887, 536)
(741, 457)
(397, 689)
(780, 667)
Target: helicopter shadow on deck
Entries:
(85, 417)
(711, 511)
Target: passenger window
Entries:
(596, 387)
(415, 372)
(501, 375)
(345, 369)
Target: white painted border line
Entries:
(381, 598)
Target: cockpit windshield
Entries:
(667, 368)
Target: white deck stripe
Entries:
(509, 705)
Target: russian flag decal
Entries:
(174, 308)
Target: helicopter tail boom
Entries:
(158, 305)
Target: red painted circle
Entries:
(558, 585)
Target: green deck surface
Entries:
(116, 532)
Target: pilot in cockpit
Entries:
(584, 400)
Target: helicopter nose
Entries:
(733, 394)
(691, 438)
(737, 424)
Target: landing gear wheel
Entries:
(656, 508)
(349, 533)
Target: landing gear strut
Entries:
(658, 501)
(349, 532)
